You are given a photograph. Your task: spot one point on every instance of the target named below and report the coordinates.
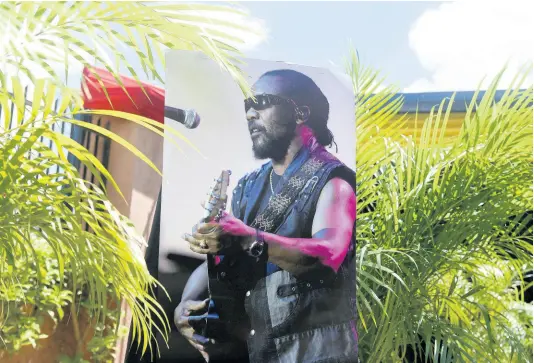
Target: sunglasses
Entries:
(261, 102)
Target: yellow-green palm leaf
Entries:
(444, 228)
(43, 198)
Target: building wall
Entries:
(138, 182)
(414, 125)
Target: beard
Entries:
(273, 145)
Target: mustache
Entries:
(257, 127)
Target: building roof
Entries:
(424, 101)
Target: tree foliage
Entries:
(43, 198)
(444, 227)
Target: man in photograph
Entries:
(286, 253)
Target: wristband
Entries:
(256, 248)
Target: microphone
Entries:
(188, 117)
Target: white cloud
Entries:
(248, 31)
(461, 43)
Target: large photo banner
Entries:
(195, 82)
(229, 133)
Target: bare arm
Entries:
(332, 229)
(196, 287)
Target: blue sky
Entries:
(418, 45)
(317, 33)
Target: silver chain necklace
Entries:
(271, 181)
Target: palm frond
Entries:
(444, 228)
(53, 206)
(52, 36)
(42, 196)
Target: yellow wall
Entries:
(411, 127)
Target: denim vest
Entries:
(310, 318)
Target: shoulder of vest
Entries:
(333, 165)
(330, 160)
(252, 175)
(340, 170)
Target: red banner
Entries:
(95, 98)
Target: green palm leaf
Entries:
(38, 34)
(458, 210)
(45, 205)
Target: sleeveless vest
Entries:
(308, 318)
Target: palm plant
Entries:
(444, 227)
(43, 198)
